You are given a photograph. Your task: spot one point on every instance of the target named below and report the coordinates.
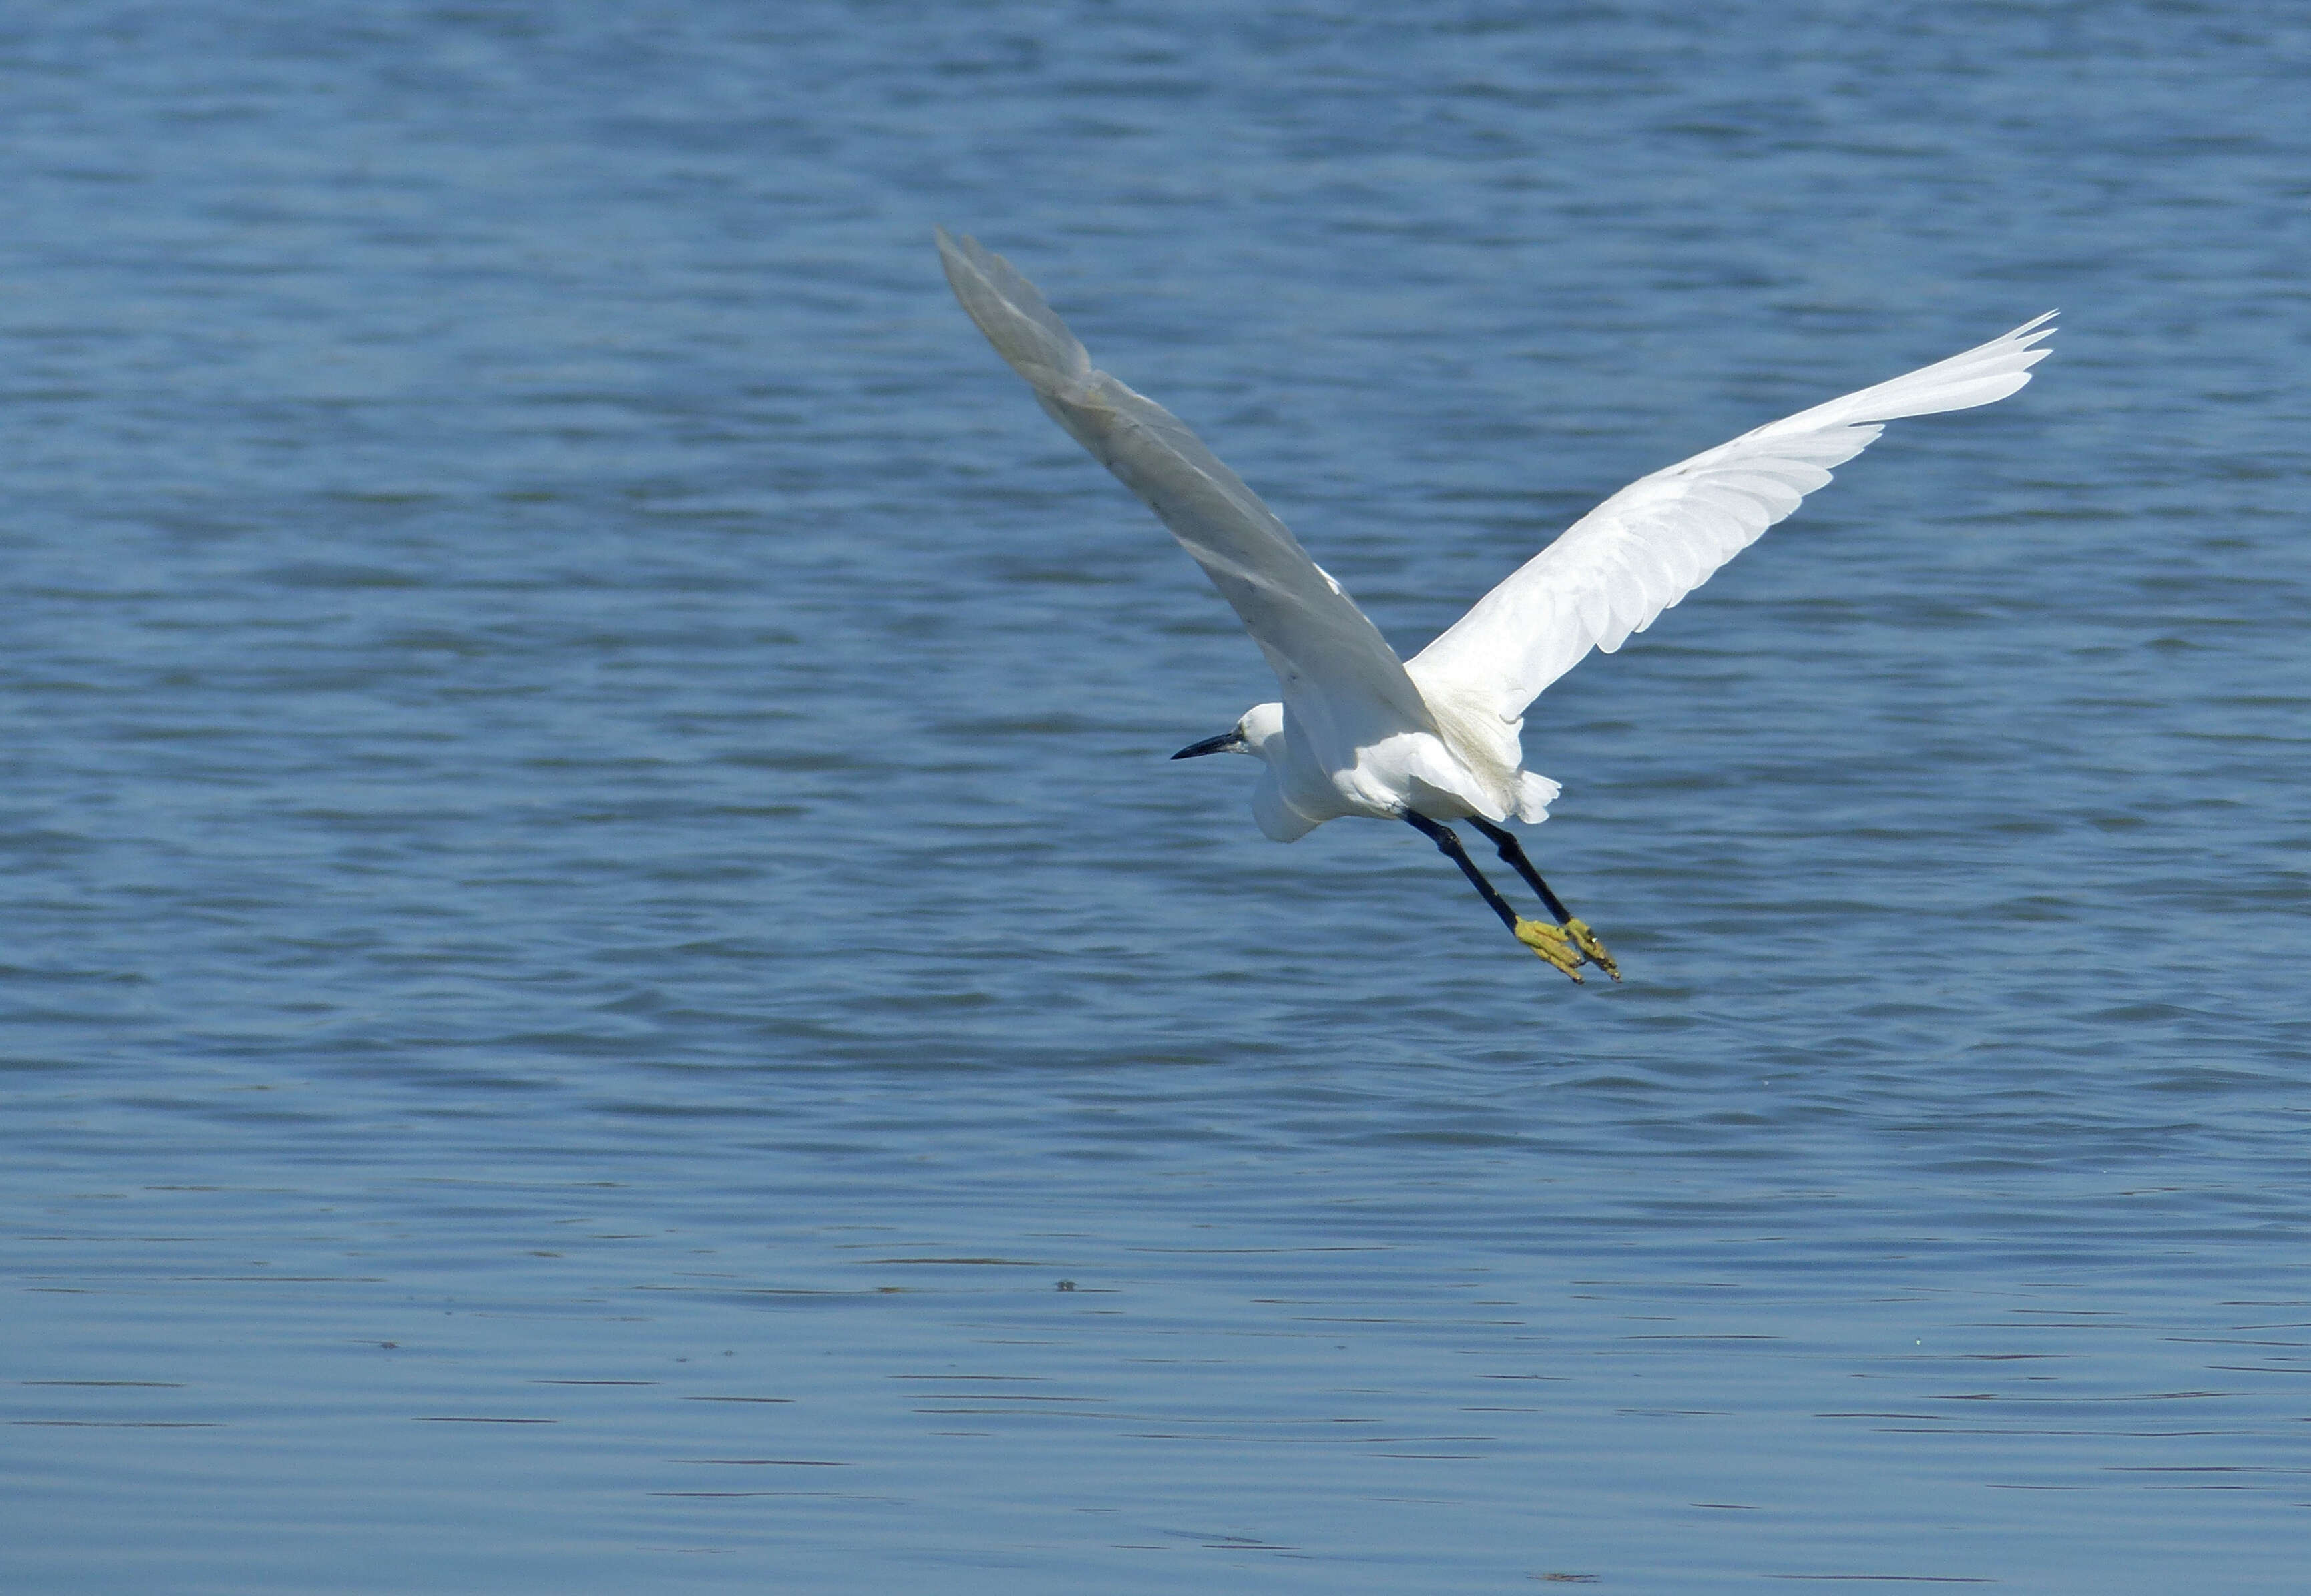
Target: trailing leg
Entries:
(1512, 854)
(1556, 946)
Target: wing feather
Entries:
(1613, 571)
(1339, 675)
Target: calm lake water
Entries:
(606, 986)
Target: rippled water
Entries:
(606, 987)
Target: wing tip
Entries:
(2028, 335)
(954, 246)
(1012, 313)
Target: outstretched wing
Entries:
(1339, 673)
(1615, 569)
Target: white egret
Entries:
(1435, 739)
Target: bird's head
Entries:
(1259, 730)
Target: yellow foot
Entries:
(1551, 944)
(1586, 941)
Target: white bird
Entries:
(1435, 738)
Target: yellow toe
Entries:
(1551, 944)
(1585, 940)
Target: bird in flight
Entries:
(1435, 740)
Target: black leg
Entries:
(1449, 845)
(1513, 856)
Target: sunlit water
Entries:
(607, 988)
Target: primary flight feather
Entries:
(1436, 739)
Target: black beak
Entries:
(1228, 742)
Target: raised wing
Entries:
(1340, 677)
(1614, 569)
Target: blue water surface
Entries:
(604, 986)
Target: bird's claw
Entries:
(1552, 944)
(1567, 947)
(1586, 941)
